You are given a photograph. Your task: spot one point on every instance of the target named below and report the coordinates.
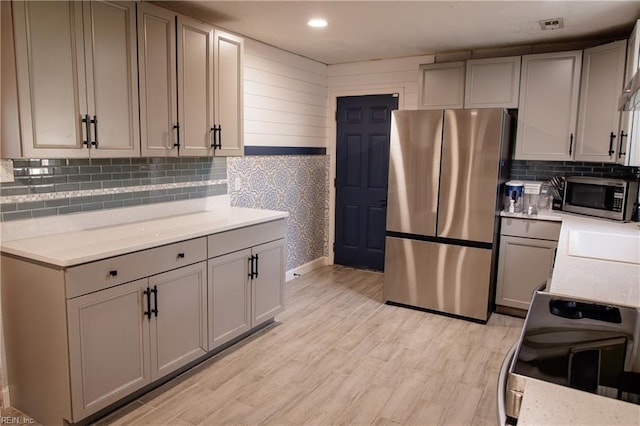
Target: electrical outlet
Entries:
(6, 170)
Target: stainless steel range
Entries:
(581, 344)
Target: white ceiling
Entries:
(361, 30)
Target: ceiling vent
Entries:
(552, 24)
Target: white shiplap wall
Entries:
(286, 98)
(373, 77)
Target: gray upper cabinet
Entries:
(548, 106)
(492, 83)
(158, 81)
(195, 87)
(228, 54)
(77, 79)
(629, 136)
(603, 70)
(441, 86)
(191, 95)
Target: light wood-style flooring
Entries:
(337, 355)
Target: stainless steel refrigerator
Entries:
(446, 168)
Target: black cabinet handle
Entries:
(571, 144)
(113, 273)
(155, 301)
(622, 136)
(94, 121)
(217, 136)
(147, 294)
(256, 266)
(177, 127)
(87, 129)
(180, 255)
(612, 136)
(251, 259)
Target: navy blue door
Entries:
(362, 170)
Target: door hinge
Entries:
(336, 115)
(334, 246)
(334, 183)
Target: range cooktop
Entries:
(581, 344)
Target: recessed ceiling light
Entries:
(317, 23)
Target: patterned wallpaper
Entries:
(298, 184)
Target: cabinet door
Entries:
(158, 82)
(268, 283)
(51, 78)
(633, 147)
(523, 266)
(633, 53)
(548, 106)
(492, 83)
(179, 323)
(441, 86)
(626, 137)
(228, 77)
(108, 346)
(112, 77)
(229, 297)
(195, 87)
(629, 136)
(598, 117)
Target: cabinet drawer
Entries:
(106, 273)
(238, 239)
(531, 228)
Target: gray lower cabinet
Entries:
(245, 290)
(229, 297)
(268, 282)
(99, 331)
(527, 253)
(128, 336)
(109, 339)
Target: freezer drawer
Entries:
(446, 278)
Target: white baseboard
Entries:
(306, 268)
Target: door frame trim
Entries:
(334, 94)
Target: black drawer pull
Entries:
(622, 136)
(180, 255)
(256, 266)
(87, 128)
(147, 294)
(612, 136)
(251, 273)
(571, 144)
(113, 273)
(177, 127)
(94, 121)
(155, 300)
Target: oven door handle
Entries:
(502, 384)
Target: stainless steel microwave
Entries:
(601, 197)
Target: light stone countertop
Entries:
(86, 244)
(559, 405)
(580, 271)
